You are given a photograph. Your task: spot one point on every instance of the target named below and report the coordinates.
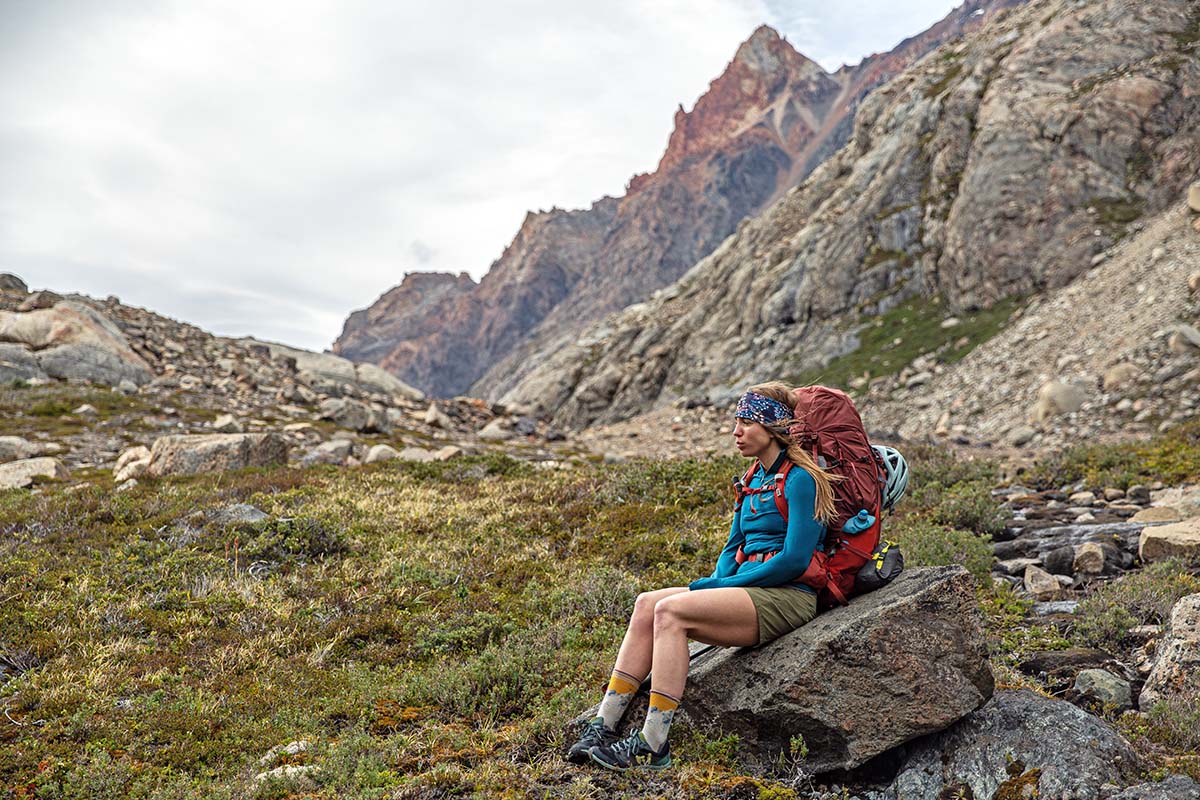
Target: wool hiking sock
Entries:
(658, 719)
(621, 688)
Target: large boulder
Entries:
(898, 663)
(1176, 787)
(11, 282)
(1176, 667)
(376, 379)
(195, 453)
(19, 363)
(20, 474)
(13, 448)
(1019, 745)
(1165, 541)
(74, 341)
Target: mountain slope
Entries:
(762, 126)
(992, 168)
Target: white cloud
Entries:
(267, 167)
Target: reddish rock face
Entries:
(760, 129)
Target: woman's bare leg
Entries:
(637, 648)
(713, 616)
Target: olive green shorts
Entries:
(781, 609)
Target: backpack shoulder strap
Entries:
(781, 503)
(740, 484)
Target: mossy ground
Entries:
(429, 627)
(894, 339)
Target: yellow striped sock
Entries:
(621, 688)
(658, 719)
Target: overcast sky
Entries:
(265, 168)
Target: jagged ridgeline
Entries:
(761, 128)
(995, 167)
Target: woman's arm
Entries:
(803, 535)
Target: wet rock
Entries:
(1176, 666)
(1060, 560)
(21, 474)
(917, 641)
(190, 454)
(1112, 493)
(1084, 499)
(1018, 745)
(1138, 493)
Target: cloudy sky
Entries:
(265, 167)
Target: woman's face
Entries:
(752, 439)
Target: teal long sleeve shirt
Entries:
(758, 527)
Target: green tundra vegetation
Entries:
(428, 628)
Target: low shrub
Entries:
(1144, 597)
(927, 543)
(1172, 457)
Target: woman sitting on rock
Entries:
(750, 599)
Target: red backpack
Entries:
(828, 426)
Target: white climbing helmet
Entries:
(896, 469)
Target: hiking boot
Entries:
(632, 752)
(594, 735)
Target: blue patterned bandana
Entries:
(762, 410)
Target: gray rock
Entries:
(381, 452)
(19, 363)
(197, 453)
(447, 452)
(1021, 435)
(13, 448)
(134, 468)
(335, 451)
(917, 642)
(375, 379)
(350, 414)
(496, 431)
(1193, 197)
(1174, 787)
(227, 423)
(11, 282)
(416, 454)
(1055, 607)
(21, 474)
(1055, 398)
(1138, 493)
(1176, 665)
(1104, 687)
(139, 453)
(239, 514)
(1019, 745)
(74, 341)
(38, 300)
(437, 418)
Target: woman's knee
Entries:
(643, 607)
(670, 612)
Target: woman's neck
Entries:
(770, 456)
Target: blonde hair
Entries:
(779, 392)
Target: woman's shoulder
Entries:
(799, 479)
